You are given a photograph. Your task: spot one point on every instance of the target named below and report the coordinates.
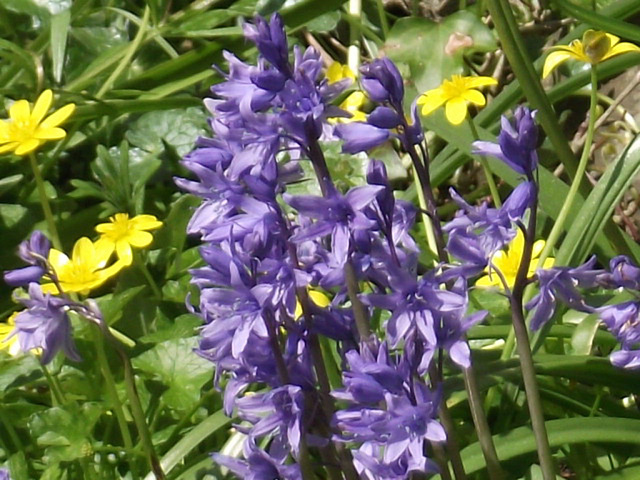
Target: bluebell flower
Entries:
(624, 273)
(35, 252)
(45, 325)
(623, 321)
(260, 465)
(382, 82)
(517, 142)
(4, 474)
(562, 283)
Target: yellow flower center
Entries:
(120, 227)
(454, 87)
(22, 130)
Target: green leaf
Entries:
(178, 128)
(185, 326)
(15, 372)
(176, 365)
(599, 205)
(566, 431)
(434, 51)
(65, 432)
(191, 440)
(18, 467)
(112, 305)
(59, 31)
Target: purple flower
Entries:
(382, 82)
(624, 274)
(360, 137)
(34, 251)
(562, 283)
(517, 142)
(45, 324)
(278, 412)
(623, 322)
(260, 465)
(271, 40)
(4, 474)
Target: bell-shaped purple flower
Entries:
(45, 324)
(34, 251)
(382, 82)
(517, 142)
(623, 321)
(271, 40)
(360, 137)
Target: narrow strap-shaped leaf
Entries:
(626, 30)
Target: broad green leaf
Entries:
(18, 467)
(178, 128)
(65, 433)
(431, 52)
(185, 326)
(176, 365)
(17, 371)
(585, 333)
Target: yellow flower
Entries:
(595, 47)
(12, 346)
(317, 297)
(338, 71)
(28, 129)
(123, 232)
(352, 104)
(455, 94)
(508, 262)
(85, 270)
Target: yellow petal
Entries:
(431, 101)
(4, 132)
(621, 48)
(8, 147)
(334, 72)
(319, 298)
(145, 222)
(492, 280)
(456, 110)
(104, 247)
(42, 106)
(613, 40)
(49, 133)
(553, 60)
(474, 96)
(50, 288)
(548, 263)
(123, 250)
(475, 82)
(538, 246)
(139, 239)
(59, 116)
(28, 146)
(57, 259)
(19, 111)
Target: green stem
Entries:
(524, 350)
(353, 53)
(515, 51)
(147, 274)
(383, 18)
(56, 391)
(482, 426)
(426, 221)
(17, 443)
(559, 224)
(112, 391)
(44, 201)
(126, 60)
(485, 166)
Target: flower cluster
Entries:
(52, 275)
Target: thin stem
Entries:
(359, 310)
(453, 448)
(44, 202)
(126, 60)
(353, 54)
(481, 424)
(559, 224)
(147, 274)
(426, 220)
(485, 166)
(57, 393)
(112, 391)
(524, 350)
(383, 18)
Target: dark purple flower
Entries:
(624, 274)
(382, 82)
(35, 252)
(271, 40)
(517, 142)
(45, 324)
